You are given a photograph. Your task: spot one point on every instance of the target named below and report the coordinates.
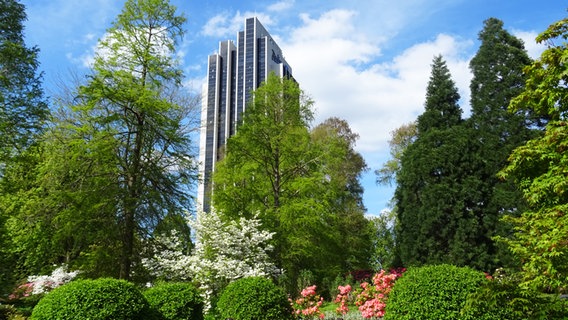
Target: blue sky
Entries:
(366, 61)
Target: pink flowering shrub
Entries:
(371, 301)
(22, 291)
(342, 298)
(44, 283)
(307, 306)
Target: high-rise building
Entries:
(232, 74)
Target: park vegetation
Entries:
(96, 191)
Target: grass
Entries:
(329, 311)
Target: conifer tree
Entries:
(441, 108)
(433, 225)
(497, 78)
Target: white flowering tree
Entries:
(224, 251)
(169, 261)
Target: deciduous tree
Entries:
(23, 115)
(400, 139)
(539, 168)
(118, 160)
(302, 186)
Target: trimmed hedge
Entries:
(99, 299)
(175, 301)
(254, 298)
(432, 292)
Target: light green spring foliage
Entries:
(401, 138)
(303, 185)
(539, 169)
(117, 159)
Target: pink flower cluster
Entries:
(23, 290)
(342, 298)
(308, 304)
(372, 300)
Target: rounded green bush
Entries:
(254, 298)
(99, 299)
(432, 292)
(176, 301)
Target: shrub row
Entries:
(118, 299)
(430, 292)
(101, 299)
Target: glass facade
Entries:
(233, 74)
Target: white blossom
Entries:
(58, 277)
(224, 252)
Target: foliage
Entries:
(103, 298)
(9, 312)
(401, 138)
(497, 78)
(334, 142)
(224, 251)
(116, 161)
(432, 292)
(134, 75)
(384, 248)
(538, 168)
(308, 304)
(501, 298)
(434, 222)
(449, 200)
(23, 109)
(372, 300)
(253, 298)
(303, 186)
(441, 109)
(176, 301)
(23, 115)
(540, 239)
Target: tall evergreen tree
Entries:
(432, 225)
(497, 78)
(441, 107)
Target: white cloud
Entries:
(339, 68)
(224, 25)
(281, 5)
(533, 48)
